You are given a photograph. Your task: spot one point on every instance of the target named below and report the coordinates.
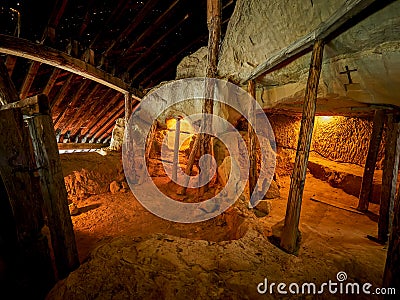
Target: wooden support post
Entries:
(251, 89)
(214, 29)
(391, 276)
(368, 176)
(389, 176)
(128, 107)
(291, 236)
(32, 270)
(8, 92)
(176, 150)
(54, 193)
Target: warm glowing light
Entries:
(171, 123)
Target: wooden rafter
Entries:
(52, 81)
(118, 113)
(30, 77)
(153, 26)
(24, 48)
(11, 60)
(72, 103)
(61, 93)
(136, 21)
(170, 61)
(348, 15)
(81, 111)
(100, 113)
(93, 105)
(106, 119)
(155, 45)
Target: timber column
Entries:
(291, 235)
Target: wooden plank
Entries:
(391, 276)
(389, 176)
(8, 93)
(30, 77)
(369, 168)
(54, 193)
(37, 52)
(33, 268)
(291, 234)
(109, 123)
(38, 104)
(252, 143)
(348, 15)
(337, 205)
(79, 146)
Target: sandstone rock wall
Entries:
(341, 139)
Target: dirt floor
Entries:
(129, 253)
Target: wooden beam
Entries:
(110, 122)
(214, 29)
(128, 107)
(51, 82)
(93, 130)
(154, 45)
(291, 234)
(369, 168)
(175, 165)
(252, 145)
(59, 97)
(72, 103)
(54, 193)
(8, 93)
(136, 21)
(32, 267)
(11, 60)
(170, 61)
(348, 15)
(391, 276)
(30, 77)
(80, 111)
(100, 113)
(56, 14)
(389, 176)
(38, 104)
(79, 146)
(37, 52)
(153, 26)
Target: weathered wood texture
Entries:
(30, 77)
(214, 29)
(391, 276)
(349, 14)
(79, 146)
(369, 168)
(252, 143)
(8, 93)
(128, 107)
(32, 268)
(30, 106)
(389, 176)
(54, 193)
(40, 53)
(290, 235)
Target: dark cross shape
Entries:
(348, 73)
